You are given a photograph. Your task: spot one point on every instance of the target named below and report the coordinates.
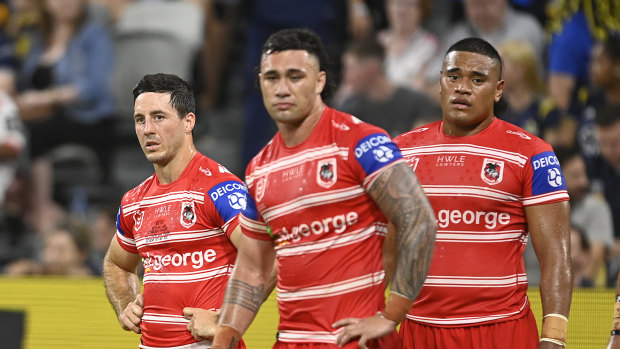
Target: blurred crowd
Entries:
(67, 67)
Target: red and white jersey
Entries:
(311, 200)
(181, 230)
(478, 187)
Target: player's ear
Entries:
(190, 122)
(499, 91)
(321, 81)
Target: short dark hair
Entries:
(479, 46)
(368, 48)
(306, 40)
(182, 97)
(607, 115)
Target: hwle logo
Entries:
(450, 161)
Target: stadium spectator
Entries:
(574, 26)
(604, 173)
(604, 90)
(182, 221)
(375, 99)
(529, 107)
(332, 225)
(64, 252)
(491, 184)
(64, 95)
(589, 211)
(409, 47)
(580, 257)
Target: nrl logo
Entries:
(326, 174)
(188, 214)
(492, 171)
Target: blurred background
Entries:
(68, 149)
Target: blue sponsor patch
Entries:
(250, 210)
(118, 221)
(229, 198)
(548, 175)
(375, 151)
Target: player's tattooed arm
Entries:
(401, 198)
(245, 295)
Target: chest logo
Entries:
(188, 214)
(326, 174)
(260, 188)
(138, 218)
(492, 171)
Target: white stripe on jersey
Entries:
(466, 320)
(126, 240)
(311, 200)
(299, 158)
(471, 149)
(165, 319)
(192, 276)
(471, 191)
(179, 236)
(346, 239)
(308, 336)
(198, 345)
(334, 289)
(252, 225)
(534, 200)
(475, 281)
(164, 199)
(478, 236)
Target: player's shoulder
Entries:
(346, 127)
(207, 170)
(419, 135)
(516, 138)
(138, 192)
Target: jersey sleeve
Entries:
(544, 181)
(124, 229)
(375, 151)
(229, 199)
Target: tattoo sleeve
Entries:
(401, 198)
(245, 295)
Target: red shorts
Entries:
(390, 341)
(515, 334)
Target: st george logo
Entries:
(326, 174)
(492, 171)
(188, 214)
(260, 188)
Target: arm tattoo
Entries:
(233, 344)
(245, 295)
(401, 198)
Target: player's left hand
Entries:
(202, 322)
(365, 329)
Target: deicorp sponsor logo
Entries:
(234, 192)
(547, 174)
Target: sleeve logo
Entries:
(188, 214)
(237, 201)
(492, 171)
(326, 174)
(547, 174)
(383, 154)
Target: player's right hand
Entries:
(131, 317)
